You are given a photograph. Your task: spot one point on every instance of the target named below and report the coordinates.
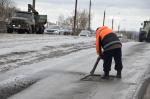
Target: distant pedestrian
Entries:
(107, 40)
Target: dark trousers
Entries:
(108, 55)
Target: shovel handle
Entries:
(96, 63)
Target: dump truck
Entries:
(27, 22)
(144, 34)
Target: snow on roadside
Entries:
(25, 43)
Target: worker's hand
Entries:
(102, 54)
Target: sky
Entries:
(131, 12)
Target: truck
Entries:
(27, 22)
(144, 34)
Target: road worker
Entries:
(107, 40)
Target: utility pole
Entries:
(119, 25)
(89, 16)
(34, 4)
(104, 15)
(75, 17)
(104, 18)
(113, 19)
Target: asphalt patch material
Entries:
(97, 78)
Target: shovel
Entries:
(93, 70)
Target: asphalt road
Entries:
(50, 67)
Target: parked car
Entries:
(119, 35)
(85, 33)
(94, 34)
(67, 30)
(54, 29)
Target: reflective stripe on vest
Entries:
(110, 44)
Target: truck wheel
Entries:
(42, 30)
(9, 31)
(21, 32)
(29, 31)
(39, 31)
(141, 40)
(33, 30)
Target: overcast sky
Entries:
(133, 11)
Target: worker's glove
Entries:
(102, 56)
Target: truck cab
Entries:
(21, 22)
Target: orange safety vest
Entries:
(100, 34)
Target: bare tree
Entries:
(7, 8)
(61, 19)
(130, 34)
(65, 21)
(69, 21)
(82, 20)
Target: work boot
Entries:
(105, 76)
(118, 74)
